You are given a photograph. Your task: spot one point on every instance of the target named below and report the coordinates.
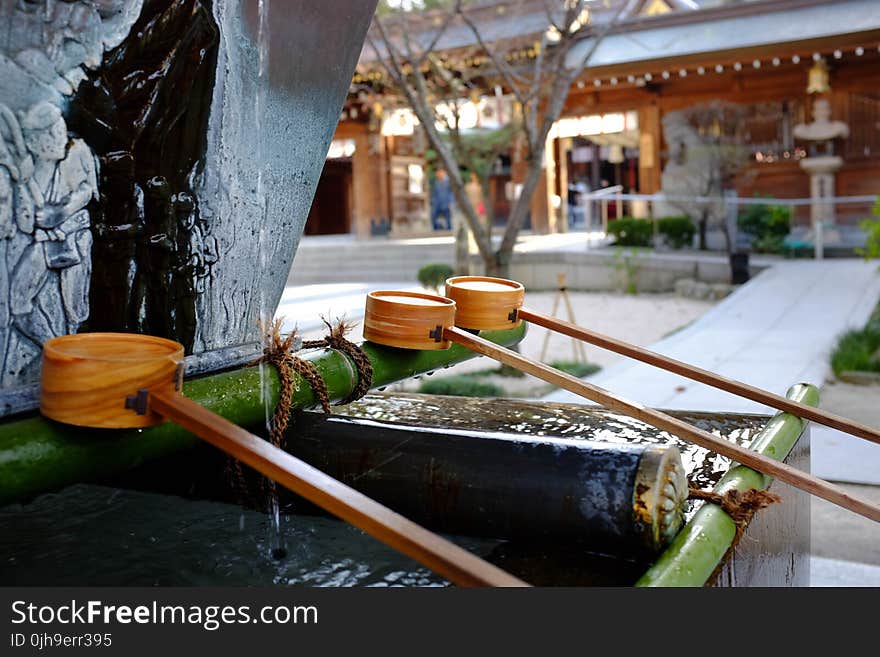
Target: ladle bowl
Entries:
(410, 320)
(485, 303)
(94, 379)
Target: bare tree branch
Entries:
(441, 30)
(540, 91)
(512, 79)
(416, 94)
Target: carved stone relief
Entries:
(48, 176)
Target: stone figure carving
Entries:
(48, 176)
(689, 171)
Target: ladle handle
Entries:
(703, 376)
(440, 555)
(683, 430)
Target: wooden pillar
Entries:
(560, 152)
(517, 168)
(543, 219)
(595, 174)
(368, 172)
(650, 139)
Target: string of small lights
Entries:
(644, 78)
(472, 61)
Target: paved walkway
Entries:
(302, 306)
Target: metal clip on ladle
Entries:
(420, 321)
(116, 380)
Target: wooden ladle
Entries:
(115, 380)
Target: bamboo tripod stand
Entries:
(580, 354)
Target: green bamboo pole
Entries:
(701, 544)
(39, 455)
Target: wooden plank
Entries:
(440, 555)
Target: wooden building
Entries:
(664, 56)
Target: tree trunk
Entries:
(462, 252)
(703, 225)
(500, 264)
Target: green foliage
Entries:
(679, 231)
(627, 266)
(767, 225)
(461, 386)
(872, 230)
(628, 231)
(575, 368)
(859, 350)
(478, 150)
(503, 370)
(434, 275)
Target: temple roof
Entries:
(687, 30)
(736, 29)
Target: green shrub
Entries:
(679, 231)
(766, 225)
(769, 244)
(859, 350)
(856, 351)
(628, 231)
(461, 386)
(434, 275)
(627, 266)
(872, 229)
(575, 368)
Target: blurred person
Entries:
(441, 201)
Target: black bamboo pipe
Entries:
(612, 497)
(683, 430)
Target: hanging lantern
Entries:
(817, 82)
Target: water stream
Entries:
(266, 311)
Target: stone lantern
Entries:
(821, 163)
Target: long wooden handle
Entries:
(443, 557)
(703, 376)
(683, 430)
